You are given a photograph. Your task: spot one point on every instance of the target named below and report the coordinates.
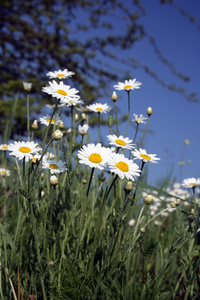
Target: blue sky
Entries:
(174, 118)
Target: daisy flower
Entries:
(27, 86)
(48, 155)
(54, 166)
(123, 166)
(71, 102)
(191, 182)
(60, 90)
(99, 107)
(45, 120)
(142, 154)
(131, 222)
(4, 147)
(60, 74)
(139, 118)
(24, 150)
(128, 85)
(120, 141)
(94, 156)
(4, 172)
(83, 129)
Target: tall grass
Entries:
(60, 242)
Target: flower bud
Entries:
(83, 129)
(27, 86)
(42, 194)
(54, 180)
(84, 181)
(114, 97)
(35, 124)
(148, 199)
(143, 229)
(84, 116)
(131, 222)
(57, 135)
(76, 117)
(61, 125)
(128, 187)
(149, 111)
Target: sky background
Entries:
(174, 118)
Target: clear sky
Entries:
(174, 118)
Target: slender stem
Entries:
(115, 107)
(115, 178)
(136, 131)
(144, 132)
(28, 117)
(142, 166)
(128, 119)
(92, 172)
(98, 127)
(138, 221)
(24, 168)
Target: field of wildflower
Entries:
(78, 219)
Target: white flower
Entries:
(4, 172)
(24, 150)
(60, 90)
(142, 154)
(71, 102)
(54, 166)
(45, 120)
(48, 155)
(35, 158)
(60, 74)
(99, 107)
(139, 118)
(83, 129)
(120, 141)
(128, 85)
(191, 182)
(94, 156)
(4, 147)
(123, 166)
(27, 86)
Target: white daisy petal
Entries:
(24, 150)
(60, 74)
(128, 85)
(120, 141)
(142, 154)
(99, 107)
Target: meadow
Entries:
(78, 219)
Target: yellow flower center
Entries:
(24, 149)
(144, 156)
(99, 109)
(61, 92)
(193, 184)
(120, 142)
(127, 87)
(95, 158)
(53, 166)
(60, 75)
(52, 121)
(138, 120)
(122, 166)
(4, 147)
(34, 159)
(3, 172)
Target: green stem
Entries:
(98, 127)
(115, 178)
(144, 132)
(128, 119)
(136, 131)
(142, 166)
(115, 107)
(28, 117)
(92, 172)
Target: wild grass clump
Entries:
(79, 220)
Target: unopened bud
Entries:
(148, 199)
(84, 181)
(114, 97)
(83, 129)
(35, 124)
(149, 111)
(143, 229)
(61, 125)
(27, 86)
(178, 202)
(54, 180)
(128, 187)
(57, 135)
(173, 204)
(42, 194)
(76, 117)
(84, 116)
